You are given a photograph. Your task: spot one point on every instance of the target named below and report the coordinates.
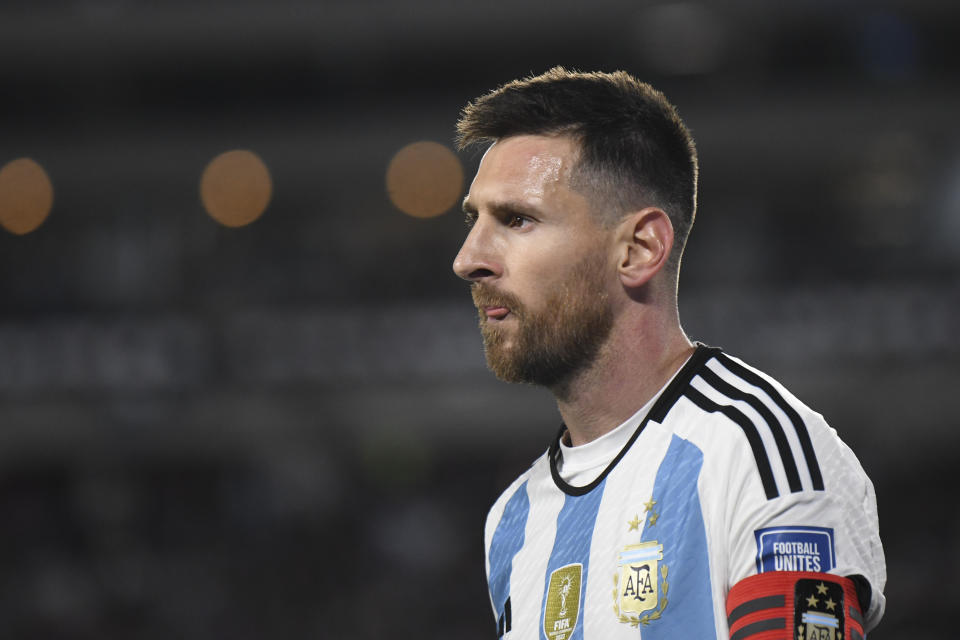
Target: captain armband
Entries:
(794, 605)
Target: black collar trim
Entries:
(657, 413)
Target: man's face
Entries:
(539, 262)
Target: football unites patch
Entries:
(795, 549)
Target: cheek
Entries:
(539, 270)
(536, 278)
(546, 260)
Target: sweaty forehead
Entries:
(528, 167)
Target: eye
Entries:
(516, 221)
(470, 218)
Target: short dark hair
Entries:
(634, 149)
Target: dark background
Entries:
(286, 430)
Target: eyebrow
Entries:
(501, 208)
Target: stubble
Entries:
(548, 346)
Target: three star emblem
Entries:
(651, 520)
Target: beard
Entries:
(551, 345)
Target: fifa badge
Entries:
(641, 583)
(563, 602)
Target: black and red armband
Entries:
(794, 605)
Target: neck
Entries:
(634, 364)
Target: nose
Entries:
(476, 260)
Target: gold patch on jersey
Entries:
(641, 588)
(563, 602)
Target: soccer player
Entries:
(687, 495)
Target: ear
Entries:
(645, 239)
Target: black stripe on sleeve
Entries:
(757, 627)
(757, 604)
(856, 615)
(749, 429)
(802, 435)
(670, 395)
(504, 624)
(855, 635)
(783, 446)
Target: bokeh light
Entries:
(26, 196)
(236, 188)
(424, 179)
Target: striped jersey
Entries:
(727, 475)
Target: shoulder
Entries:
(775, 472)
(735, 412)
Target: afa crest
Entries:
(819, 610)
(641, 584)
(562, 607)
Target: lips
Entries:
(496, 313)
(493, 305)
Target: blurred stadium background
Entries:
(241, 392)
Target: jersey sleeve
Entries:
(828, 525)
(781, 491)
